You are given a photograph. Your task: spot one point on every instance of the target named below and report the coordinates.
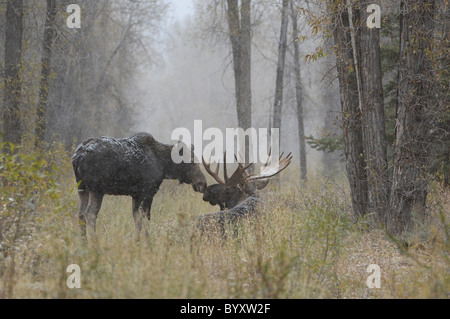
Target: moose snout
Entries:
(208, 198)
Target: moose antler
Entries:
(215, 174)
(270, 171)
(232, 181)
(241, 175)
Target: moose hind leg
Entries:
(137, 216)
(147, 206)
(84, 201)
(95, 202)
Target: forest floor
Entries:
(306, 245)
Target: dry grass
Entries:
(304, 246)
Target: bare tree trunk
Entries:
(49, 37)
(282, 45)
(13, 83)
(351, 113)
(373, 117)
(279, 82)
(246, 66)
(234, 26)
(332, 108)
(298, 93)
(239, 24)
(415, 88)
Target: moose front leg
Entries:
(141, 208)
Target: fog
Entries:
(193, 80)
(158, 65)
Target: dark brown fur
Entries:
(134, 166)
(237, 195)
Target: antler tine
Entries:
(268, 158)
(268, 172)
(285, 162)
(215, 174)
(241, 166)
(225, 174)
(239, 175)
(270, 154)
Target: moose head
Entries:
(231, 191)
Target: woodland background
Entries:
(366, 110)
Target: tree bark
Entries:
(239, 24)
(282, 45)
(49, 37)
(298, 94)
(13, 83)
(373, 117)
(351, 113)
(240, 37)
(415, 87)
(246, 66)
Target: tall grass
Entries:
(304, 245)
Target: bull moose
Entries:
(237, 195)
(134, 166)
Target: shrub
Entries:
(27, 179)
